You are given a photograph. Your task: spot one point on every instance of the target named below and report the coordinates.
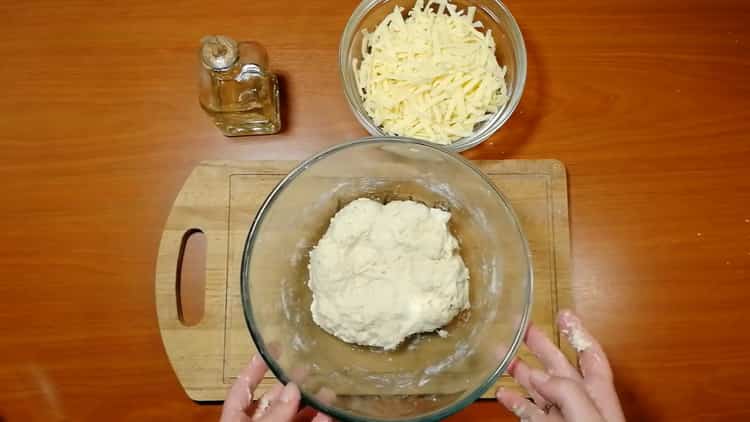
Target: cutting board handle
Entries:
(168, 276)
(190, 277)
(186, 346)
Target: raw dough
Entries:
(383, 272)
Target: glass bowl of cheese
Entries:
(446, 71)
(432, 373)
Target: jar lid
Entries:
(218, 52)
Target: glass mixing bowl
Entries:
(427, 377)
(510, 51)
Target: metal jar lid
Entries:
(218, 52)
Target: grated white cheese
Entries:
(431, 76)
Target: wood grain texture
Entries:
(221, 198)
(647, 102)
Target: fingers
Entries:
(285, 407)
(308, 414)
(322, 417)
(549, 354)
(520, 372)
(279, 404)
(326, 396)
(265, 402)
(520, 406)
(597, 373)
(591, 355)
(551, 357)
(586, 396)
(568, 395)
(240, 396)
(273, 399)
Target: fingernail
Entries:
(254, 360)
(288, 393)
(263, 405)
(518, 410)
(566, 313)
(565, 316)
(539, 377)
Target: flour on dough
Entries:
(383, 272)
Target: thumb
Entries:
(568, 395)
(285, 407)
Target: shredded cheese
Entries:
(431, 76)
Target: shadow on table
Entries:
(636, 408)
(285, 105)
(525, 119)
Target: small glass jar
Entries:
(236, 89)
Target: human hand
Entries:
(279, 404)
(562, 393)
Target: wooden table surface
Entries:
(647, 102)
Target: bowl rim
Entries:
(492, 125)
(266, 354)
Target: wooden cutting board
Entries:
(220, 199)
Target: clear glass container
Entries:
(427, 377)
(236, 89)
(494, 15)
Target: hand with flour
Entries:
(279, 404)
(562, 393)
